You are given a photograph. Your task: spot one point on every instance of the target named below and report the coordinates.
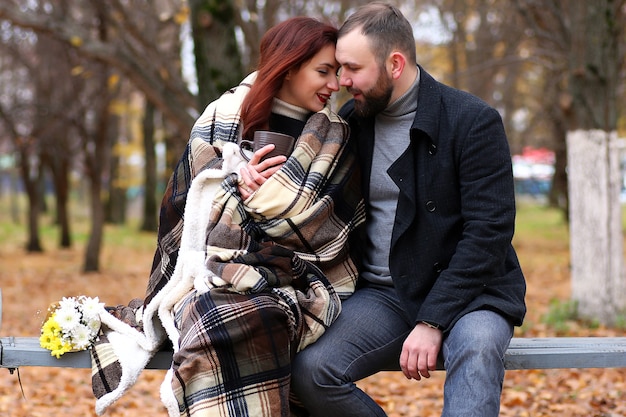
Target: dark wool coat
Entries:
(451, 250)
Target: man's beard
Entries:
(376, 99)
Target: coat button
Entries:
(430, 206)
(432, 149)
(437, 267)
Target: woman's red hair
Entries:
(286, 46)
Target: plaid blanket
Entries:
(238, 287)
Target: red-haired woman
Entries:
(245, 278)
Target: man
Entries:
(440, 278)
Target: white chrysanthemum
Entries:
(93, 325)
(91, 307)
(68, 303)
(68, 318)
(81, 337)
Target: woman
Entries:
(252, 275)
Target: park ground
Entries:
(31, 282)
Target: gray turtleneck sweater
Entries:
(391, 138)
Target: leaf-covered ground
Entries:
(30, 282)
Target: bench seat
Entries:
(523, 353)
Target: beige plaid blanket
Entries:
(238, 287)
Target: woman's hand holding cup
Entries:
(258, 170)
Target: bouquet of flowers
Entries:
(71, 325)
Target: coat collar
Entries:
(428, 108)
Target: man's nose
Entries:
(344, 80)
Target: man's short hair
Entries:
(386, 28)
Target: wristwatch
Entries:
(431, 325)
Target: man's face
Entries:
(363, 77)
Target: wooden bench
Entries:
(523, 353)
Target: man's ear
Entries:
(396, 62)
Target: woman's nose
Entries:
(333, 84)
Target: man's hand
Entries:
(255, 173)
(419, 352)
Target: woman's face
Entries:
(311, 85)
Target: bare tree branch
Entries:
(165, 90)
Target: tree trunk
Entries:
(33, 244)
(58, 164)
(150, 223)
(598, 284)
(595, 63)
(96, 169)
(14, 196)
(117, 202)
(62, 188)
(98, 158)
(94, 244)
(559, 195)
(218, 62)
(596, 243)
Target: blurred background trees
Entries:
(97, 98)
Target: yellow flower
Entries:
(51, 338)
(46, 340)
(51, 326)
(60, 349)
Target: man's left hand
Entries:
(420, 351)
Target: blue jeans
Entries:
(367, 337)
